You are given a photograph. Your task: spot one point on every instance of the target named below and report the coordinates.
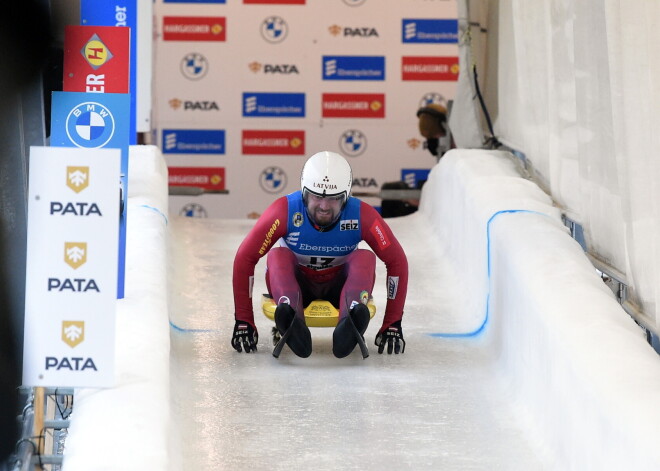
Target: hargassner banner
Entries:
(71, 269)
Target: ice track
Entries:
(438, 406)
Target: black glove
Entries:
(245, 337)
(393, 337)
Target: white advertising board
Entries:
(246, 90)
(71, 270)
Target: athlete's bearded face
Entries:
(324, 210)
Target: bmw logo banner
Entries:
(92, 121)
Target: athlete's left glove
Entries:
(245, 337)
(393, 337)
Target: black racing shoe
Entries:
(361, 317)
(350, 332)
(284, 315)
(294, 331)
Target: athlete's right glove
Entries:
(393, 337)
(245, 337)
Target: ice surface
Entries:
(438, 406)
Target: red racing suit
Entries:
(284, 219)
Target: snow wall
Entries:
(582, 379)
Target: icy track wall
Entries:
(581, 376)
(128, 427)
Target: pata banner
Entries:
(71, 273)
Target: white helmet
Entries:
(326, 174)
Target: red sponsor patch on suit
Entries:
(380, 235)
(194, 28)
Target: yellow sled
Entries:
(319, 313)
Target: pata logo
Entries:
(362, 32)
(75, 254)
(175, 103)
(73, 332)
(77, 178)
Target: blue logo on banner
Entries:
(429, 31)
(193, 141)
(274, 105)
(353, 142)
(90, 125)
(353, 68)
(414, 176)
(90, 120)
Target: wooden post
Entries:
(47, 441)
(38, 423)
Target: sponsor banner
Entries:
(194, 66)
(429, 68)
(190, 105)
(353, 105)
(414, 176)
(193, 141)
(209, 178)
(274, 2)
(281, 69)
(363, 183)
(71, 267)
(352, 142)
(92, 121)
(274, 29)
(193, 210)
(273, 180)
(110, 13)
(194, 28)
(96, 59)
(274, 105)
(194, 1)
(429, 31)
(268, 142)
(353, 68)
(353, 32)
